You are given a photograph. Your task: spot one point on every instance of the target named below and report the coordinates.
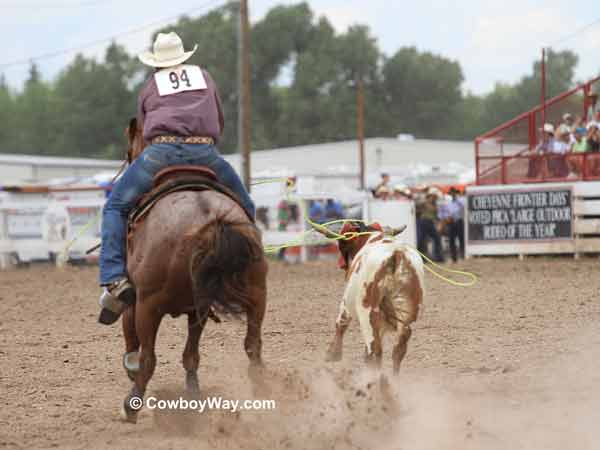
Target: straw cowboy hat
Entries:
(167, 51)
(548, 128)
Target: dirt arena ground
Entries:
(511, 363)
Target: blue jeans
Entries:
(137, 180)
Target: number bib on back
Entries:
(179, 79)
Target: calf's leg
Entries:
(400, 348)
(371, 327)
(334, 352)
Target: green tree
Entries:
(508, 101)
(95, 102)
(8, 122)
(424, 90)
(34, 116)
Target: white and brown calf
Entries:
(384, 289)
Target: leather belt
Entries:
(183, 140)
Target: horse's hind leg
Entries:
(191, 356)
(253, 341)
(147, 321)
(255, 313)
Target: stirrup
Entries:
(114, 300)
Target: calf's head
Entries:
(350, 246)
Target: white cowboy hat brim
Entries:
(149, 58)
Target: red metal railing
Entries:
(536, 168)
(504, 151)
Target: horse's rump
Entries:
(180, 226)
(218, 266)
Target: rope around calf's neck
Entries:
(473, 279)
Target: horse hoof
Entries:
(192, 388)
(128, 416)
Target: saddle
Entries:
(176, 179)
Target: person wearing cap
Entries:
(452, 214)
(180, 113)
(568, 120)
(544, 147)
(426, 225)
(579, 146)
(559, 148)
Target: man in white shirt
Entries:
(559, 148)
(452, 214)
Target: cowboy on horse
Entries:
(180, 113)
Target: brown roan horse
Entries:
(194, 251)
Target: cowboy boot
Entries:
(116, 297)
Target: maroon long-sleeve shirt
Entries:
(189, 113)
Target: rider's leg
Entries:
(228, 176)
(126, 192)
(136, 181)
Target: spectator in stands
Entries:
(452, 216)
(579, 146)
(426, 225)
(560, 147)
(536, 160)
(569, 121)
(593, 140)
(593, 137)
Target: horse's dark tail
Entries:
(217, 268)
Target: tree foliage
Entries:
(304, 81)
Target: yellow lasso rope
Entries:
(325, 227)
(63, 256)
(353, 234)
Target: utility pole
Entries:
(244, 112)
(360, 125)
